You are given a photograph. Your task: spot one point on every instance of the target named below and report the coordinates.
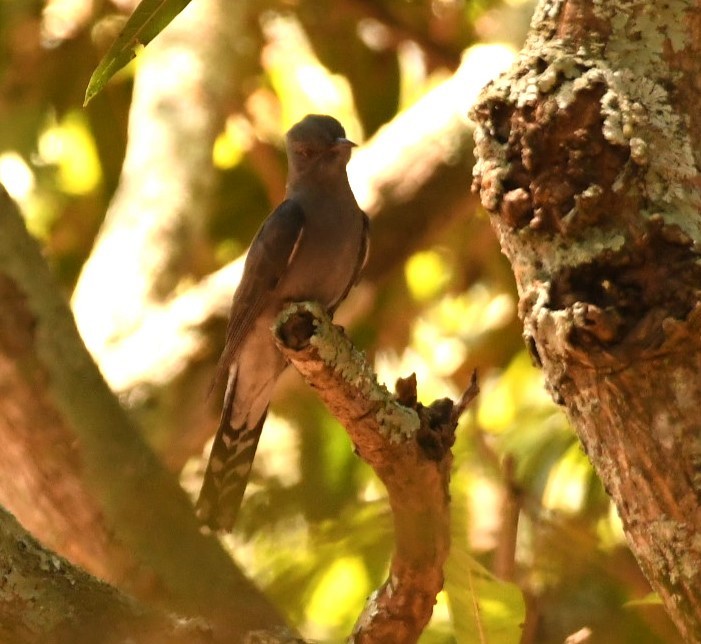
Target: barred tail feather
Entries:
(227, 475)
(228, 469)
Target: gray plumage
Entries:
(312, 247)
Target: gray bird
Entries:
(312, 247)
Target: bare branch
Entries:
(437, 52)
(409, 449)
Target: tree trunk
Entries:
(589, 150)
(47, 599)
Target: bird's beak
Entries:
(341, 142)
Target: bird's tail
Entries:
(229, 468)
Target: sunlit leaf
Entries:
(609, 529)
(292, 560)
(147, 21)
(484, 609)
(339, 593)
(569, 481)
(651, 599)
(226, 154)
(426, 274)
(69, 146)
(440, 628)
(518, 392)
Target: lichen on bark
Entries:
(588, 157)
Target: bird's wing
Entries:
(363, 253)
(271, 252)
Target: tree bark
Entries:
(78, 474)
(408, 446)
(47, 599)
(589, 154)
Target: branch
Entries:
(410, 177)
(154, 227)
(437, 52)
(408, 446)
(75, 467)
(46, 598)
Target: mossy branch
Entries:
(408, 446)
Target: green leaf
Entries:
(147, 21)
(485, 610)
(651, 599)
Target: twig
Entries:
(505, 554)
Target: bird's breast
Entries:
(327, 255)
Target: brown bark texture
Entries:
(589, 151)
(44, 598)
(408, 446)
(76, 471)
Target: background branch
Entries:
(157, 219)
(72, 455)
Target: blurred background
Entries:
(145, 202)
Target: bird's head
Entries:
(318, 145)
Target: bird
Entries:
(312, 247)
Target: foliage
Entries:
(484, 609)
(147, 21)
(315, 530)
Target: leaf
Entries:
(484, 609)
(147, 21)
(651, 599)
